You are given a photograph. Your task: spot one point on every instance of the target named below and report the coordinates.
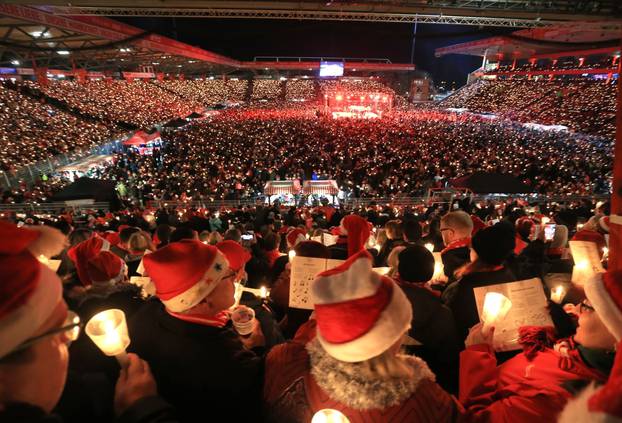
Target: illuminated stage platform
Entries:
(358, 105)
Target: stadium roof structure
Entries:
(32, 36)
(512, 13)
(577, 38)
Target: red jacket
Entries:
(519, 390)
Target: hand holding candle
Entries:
(108, 330)
(496, 307)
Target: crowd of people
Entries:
(138, 103)
(209, 91)
(581, 104)
(401, 155)
(203, 335)
(31, 130)
(300, 89)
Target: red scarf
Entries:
(218, 321)
(459, 243)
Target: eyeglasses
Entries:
(71, 329)
(583, 307)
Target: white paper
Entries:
(303, 272)
(586, 261)
(382, 270)
(53, 264)
(529, 308)
(326, 239)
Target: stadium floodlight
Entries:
(63, 52)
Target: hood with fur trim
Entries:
(344, 382)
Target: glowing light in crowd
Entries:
(557, 294)
(328, 415)
(108, 330)
(430, 247)
(263, 292)
(291, 254)
(496, 307)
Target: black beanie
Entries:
(495, 243)
(416, 264)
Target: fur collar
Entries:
(343, 382)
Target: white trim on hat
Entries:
(608, 311)
(392, 323)
(577, 409)
(23, 322)
(201, 289)
(340, 290)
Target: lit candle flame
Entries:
(329, 415)
(430, 247)
(496, 307)
(557, 294)
(291, 254)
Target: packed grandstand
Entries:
(273, 244)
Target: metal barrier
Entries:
(32, 173)
(50, 208)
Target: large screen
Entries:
(331, 68)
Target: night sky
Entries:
(244, 39)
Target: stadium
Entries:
(375, 211)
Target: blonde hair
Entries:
(459, 221)
(393, 260)
(387, 365)
(138, 242)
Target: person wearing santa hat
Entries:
(598, 404)
(536, 384)
(353, 234)
(35, 329)
(186, 335)
(353, 363)
(295, 236)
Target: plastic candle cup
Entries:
(291, 254)
(108, 330)
(557, 294)
(496, 307)
(328, 415)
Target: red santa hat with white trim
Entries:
(29, 290)
(598, 404)
(359, 313)
(357, 230)
(81, 254)
(186, 272)
(106, 268)
(294, 237)
(604, 290)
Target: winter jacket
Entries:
(196, 365)
(303, 379)
(521, 389)
(454, 259)
(433, 326)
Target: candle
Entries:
(430, 247)
(545, 220)
(291, 254)
(557, 294)
(237, 294)
(496, 307)
(579, 226)
(108, 330)
(328, 415)
(263, 292)
(605, 253)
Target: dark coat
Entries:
(201, 370)
(433, 326)
(454, 259)
(460, 298)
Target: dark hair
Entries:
(233, 234)
(126, 233)
(312, 249)
(183, 232)
(412, 230)
(416, 264)
(271, 241)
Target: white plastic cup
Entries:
(242, 318)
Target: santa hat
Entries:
(357, 231)
(604, 290)
(106, 268)
(185, 272)
(237, 256)
(603, 224)
(29, 290)
(359, 313)
(85, 251)
(295, 236)
(112, 237)
(598, 404)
